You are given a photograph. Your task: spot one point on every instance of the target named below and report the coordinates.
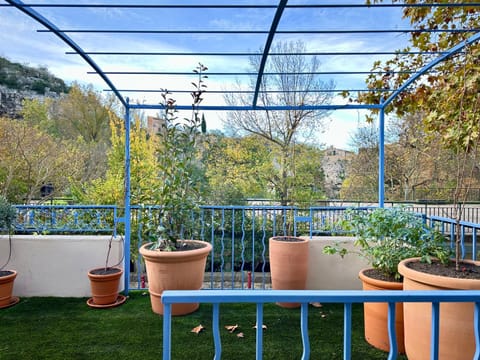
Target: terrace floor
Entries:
(66, 328)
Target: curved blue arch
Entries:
(266, 50)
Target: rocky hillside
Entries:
(18, 82)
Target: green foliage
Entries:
(31, 158)
(7, 214)
(386, 236)
(179, 185)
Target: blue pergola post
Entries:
(381, 157)
(127, 216)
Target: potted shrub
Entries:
(105, 283)
(384, 237)
(171, 261)
(288, 257)
(7, 277)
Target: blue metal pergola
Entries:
(275, 19)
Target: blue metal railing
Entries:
(239, 234)
(468, 234)
(66, 218)
(346, 297)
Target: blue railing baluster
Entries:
(233, 248)
(264, 248)
(435, 331)
(347, 331)
(167, 331)
(253, 248)
(474, 244)
(212, 253)
(222, 249)
(216, 331)
(392, 331)
(259, 331)
(304, 331)
(242, 268)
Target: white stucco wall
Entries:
(332, 272)
(57, 265)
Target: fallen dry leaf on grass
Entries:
(197, 329)
(231, 328)
(240, 335)
(316, 304)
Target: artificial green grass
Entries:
(66, 328)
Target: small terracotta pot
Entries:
(175, 270)
(105, 286)
(456, 338)
(6, 288)
(376, 315)
(288, 264)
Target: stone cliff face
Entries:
(19, 82)
(11, 102)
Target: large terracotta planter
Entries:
(175, 270)
(288, 264)
(104, 285)
(376, 315)
(456, 338)
(6, 288)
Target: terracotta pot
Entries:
(105, 286)
(376, 315)
(288, 264)
(6, 288)
(175, 270)
(456, 338)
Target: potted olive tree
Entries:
(105, 282)
(384, 237)
(7, 277)
(172, 262)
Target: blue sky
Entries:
(20, 42)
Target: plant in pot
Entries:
(448, 103)
(458, 104)
(7, 277)
(105, 283)
(172, 262)
(384, 237)
(288, 256)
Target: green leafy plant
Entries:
(386, 236)
(179, 184)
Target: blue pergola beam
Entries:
(248, 6)
(262, 32)
(263, 108)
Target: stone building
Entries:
(334, 165)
